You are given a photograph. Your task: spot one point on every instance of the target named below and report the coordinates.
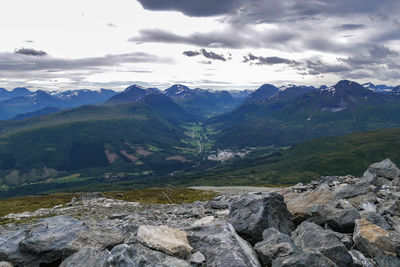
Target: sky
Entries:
(224, 44)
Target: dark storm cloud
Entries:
(23, 62)
(30, 52)
(212, 55)
(229, 38)
(373, 54)
(207, 54)
(212, 39)
(196, 8)
(258, 11)
(349, 27)
(318, 67)
(268, 60)
(191, 53)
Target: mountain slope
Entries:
(36, 113)
(75, 98)
(344, 108)
(135, 137)
(131, 94)
(20, 91)
(28, 103)
(263, 93)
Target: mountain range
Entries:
(150, 136)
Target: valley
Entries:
(143, 138)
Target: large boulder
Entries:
(9, 248)
(52, 239)
(87, 257)
(385, 169)
(341, 220)
(304, 259)
(251, 214)
(376, 219)
(221, 245)
(372, 240)
(300, 205)
(139, 255)
(311, 237)
(274, 245)
(346, 191)
(168, 240)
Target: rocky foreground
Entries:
(335, 221)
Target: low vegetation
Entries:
(146, 196)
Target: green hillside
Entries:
(94, 143)
(342, 155)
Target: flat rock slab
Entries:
(171, 241)
(221, 245)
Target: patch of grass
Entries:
(147, 196)
(161, 195)
(32, 203)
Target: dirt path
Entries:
(237, 190)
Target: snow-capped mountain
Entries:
(380, 88)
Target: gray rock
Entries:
(394, 222)
(373, 241)
(390, 207)
(6, 264)
(9, 248)
(359, 260)
(311, 237)
(91, 195)
(381, 181)
(346, 191)
(196, 259)
(376, 219)
(251, 214)
(304, 259)
(221, 245)
(344, 204)
(367, 206)
(53, 239)
(386, 169)
(137, 255)
(385, 261)
(87, 257)
(369, 197)
(220, 204)
(341, 220)
(346, 239)
(274, 245)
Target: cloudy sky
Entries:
(224, 44)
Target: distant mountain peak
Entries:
(134, 87)
(179, 90)
(264, 92)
